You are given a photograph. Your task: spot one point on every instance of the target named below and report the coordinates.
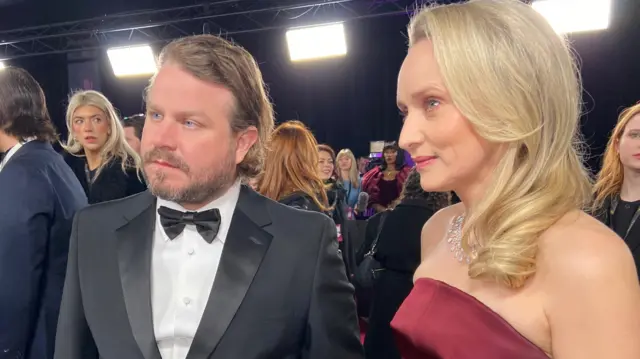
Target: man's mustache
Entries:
(159, 154)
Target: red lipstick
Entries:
(424, 161)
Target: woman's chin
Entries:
(433, 186)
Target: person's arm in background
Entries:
(339, 214)
(26, 209)
(333, 330)
(356, 193)
(402, 177)
(370, 185)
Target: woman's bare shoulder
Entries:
(591, 289)
(580, 242)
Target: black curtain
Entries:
(51, 73)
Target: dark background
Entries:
(350, 101)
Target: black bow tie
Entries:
(207, 223)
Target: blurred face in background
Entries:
(362, 164)
(390, 156)
(90, 127)
(132, 138)
(325, 165)
(629, 145)
(344, 163)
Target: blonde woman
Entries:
(617, 190)
(349, 176)
(97, 151)
(491, 100)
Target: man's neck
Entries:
(630, 190)
(195, 206)
(94, 160)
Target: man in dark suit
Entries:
(39, 196)
(201, 266)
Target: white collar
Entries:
(12, 152)
(226, 204)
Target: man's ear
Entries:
(246, 139)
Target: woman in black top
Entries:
(617, 189)
(97, 151)
(398, 252)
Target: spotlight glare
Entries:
(567, 16)
(132, 60)
(310, 43)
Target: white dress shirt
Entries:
(11, 152)
(182, 275)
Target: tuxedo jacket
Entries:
(280, 291)
(39, 195)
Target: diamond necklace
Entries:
(454, 237)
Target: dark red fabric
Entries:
(438, 321)
(371, 179)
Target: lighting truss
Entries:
(227, 17)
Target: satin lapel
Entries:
(244, 248)
(135, 241)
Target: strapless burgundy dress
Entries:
(438, 321)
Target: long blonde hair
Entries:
(116, 147)
(611, 176)
(353, 171)
(517, 83)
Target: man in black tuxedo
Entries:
(39, 196)
(201, 266)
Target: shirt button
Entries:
(191, 251)
(186, 301)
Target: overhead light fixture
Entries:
(309, 43)
(567, 16)
(132, 60)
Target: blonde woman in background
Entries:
(617, 190)
(97, 151)
(491, 99)
(349, 176)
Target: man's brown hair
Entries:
(23, 107)
(216, 60)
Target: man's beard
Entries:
(203, 186)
